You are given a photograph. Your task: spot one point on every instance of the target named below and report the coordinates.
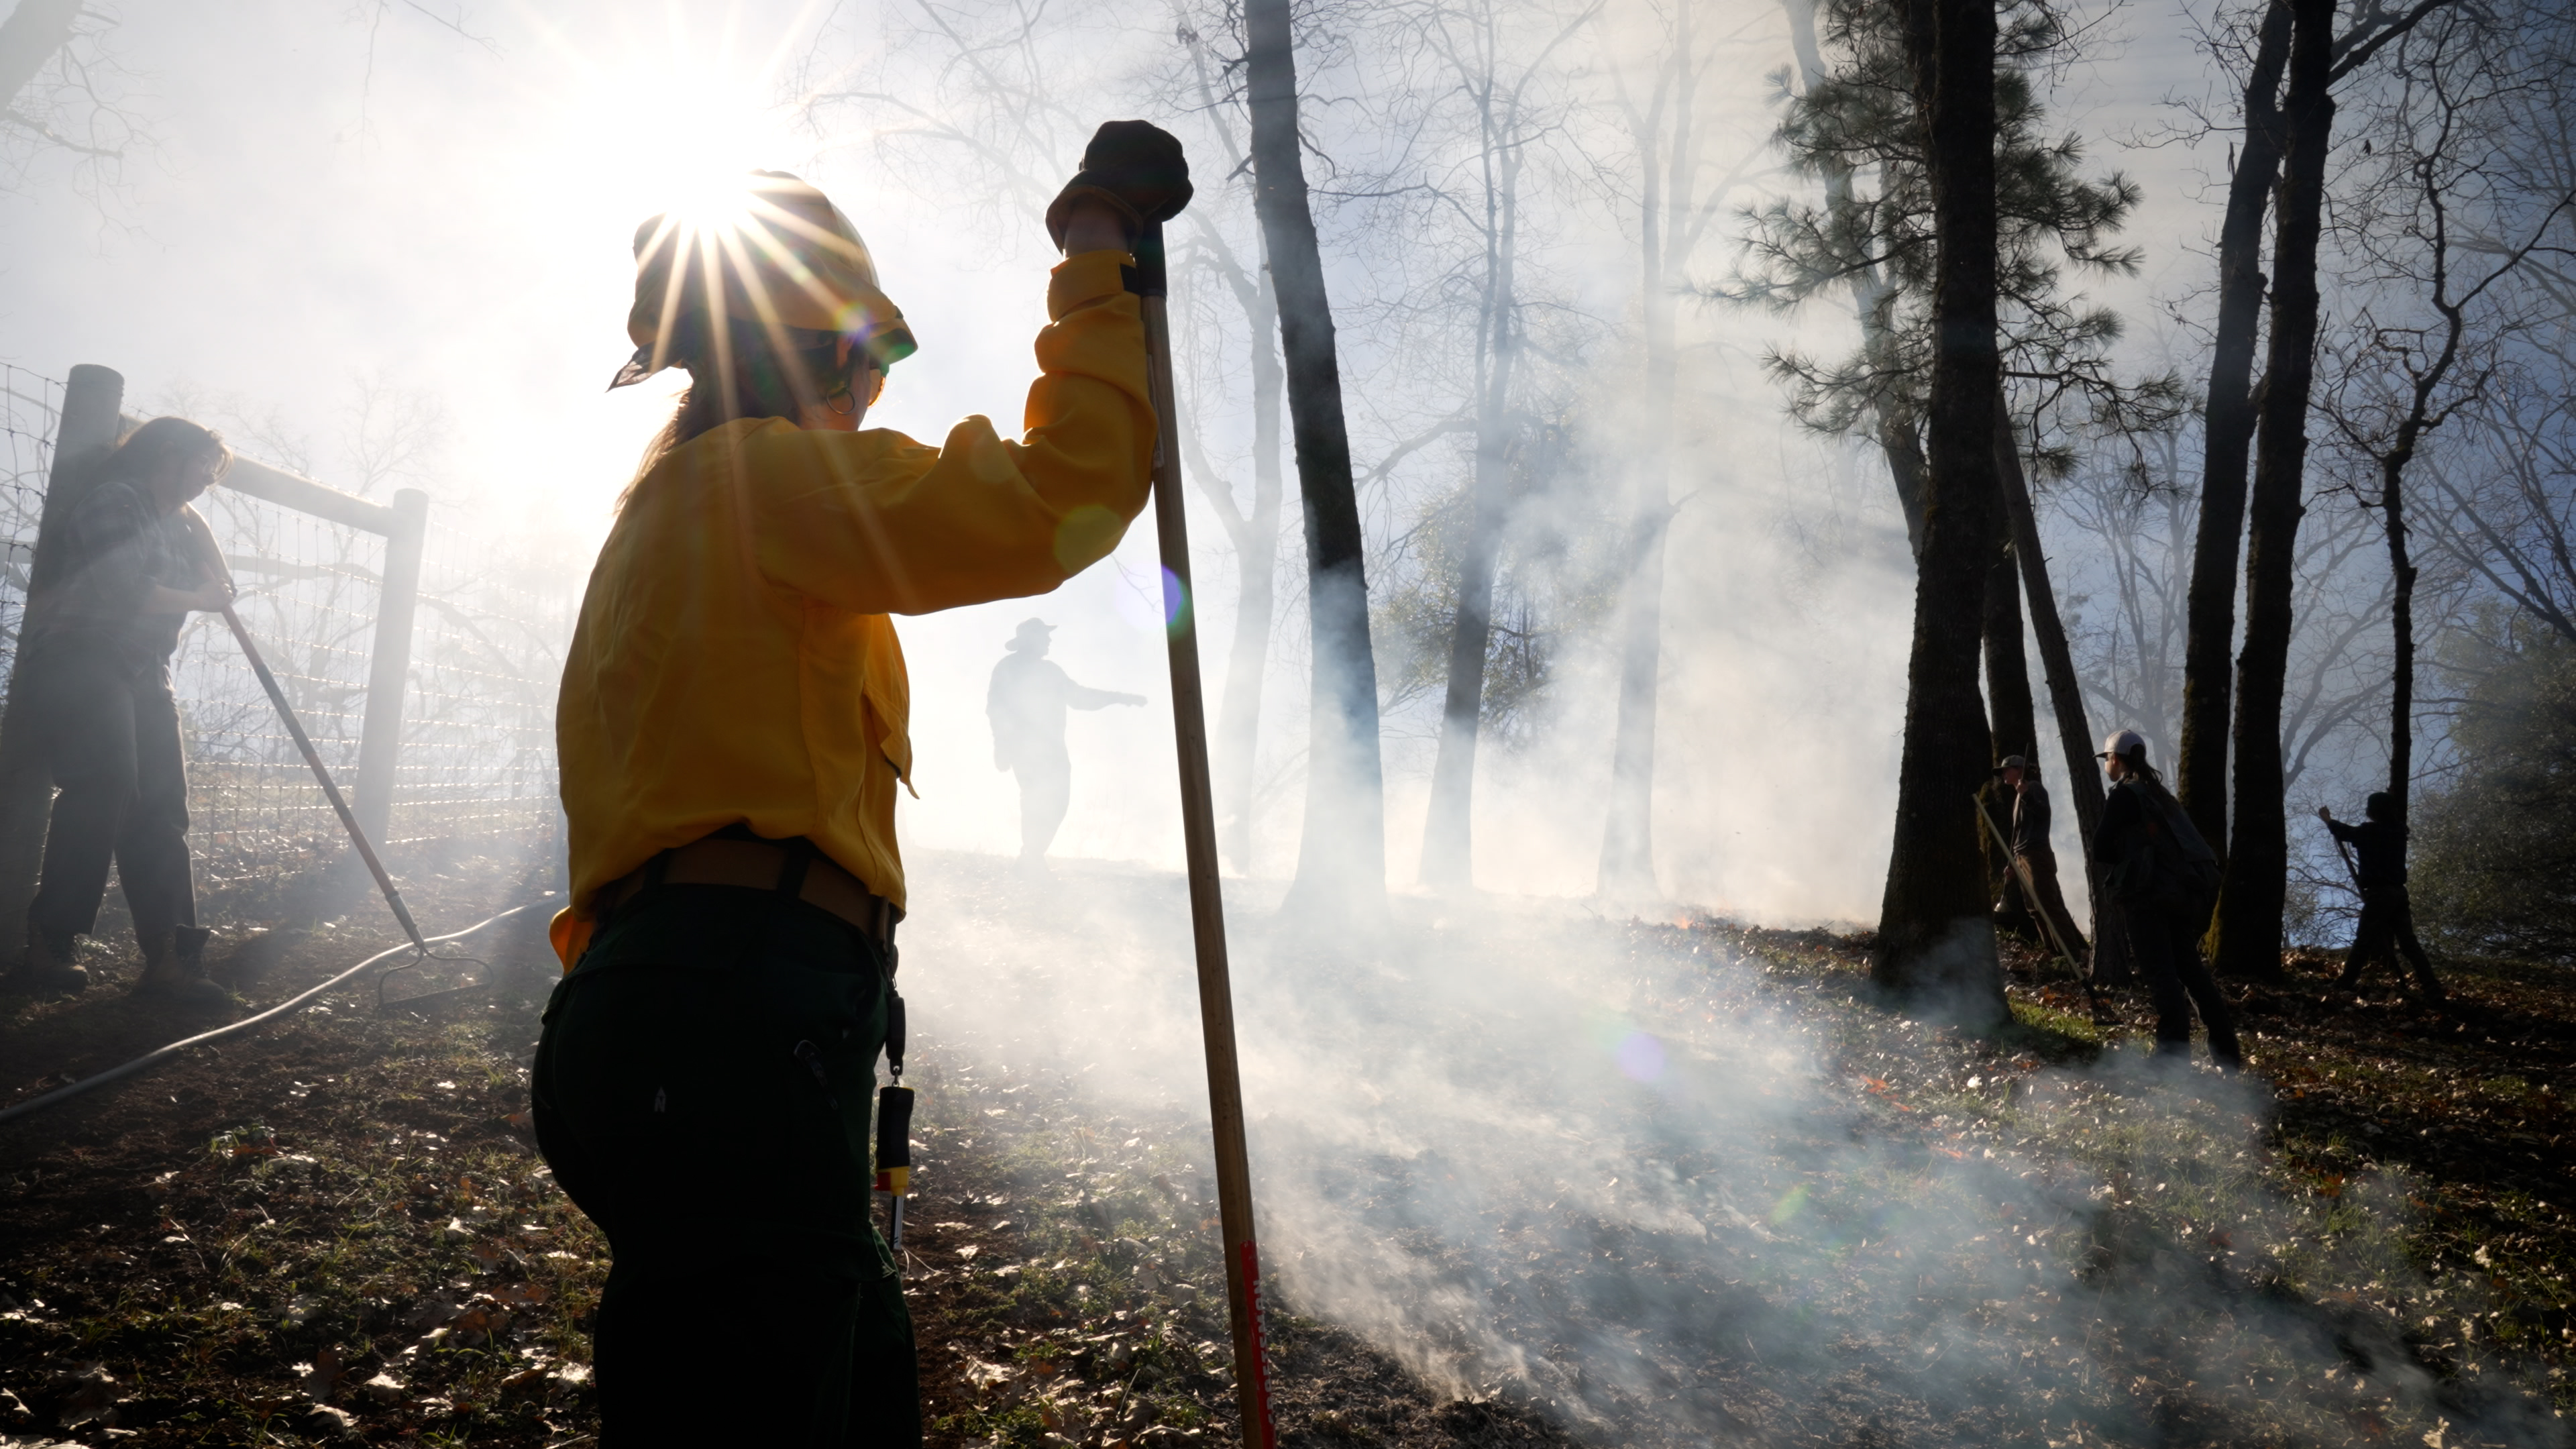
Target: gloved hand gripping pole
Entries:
(348, 821)
(1198, 837)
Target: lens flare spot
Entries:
(1640, 1057)
(1176, 600)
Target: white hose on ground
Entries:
(246, 1023)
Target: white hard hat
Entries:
(2124, 743)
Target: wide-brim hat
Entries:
(786, 260)
(2013, 762)
(1030, 634)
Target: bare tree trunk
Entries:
(2401, 624)
(1248, 656)
(1935, 941)
(1255, 536)
(1628, 840)
(2200, 778)
(28, 38)
(1448, 850)
(1627, 870)
(1341, 856)
(2246, 936)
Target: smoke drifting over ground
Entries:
(1615, 1172)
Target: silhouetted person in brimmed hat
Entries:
(2387, 925)
(2031, 846)
(1026, 703)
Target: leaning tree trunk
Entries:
(2246, 935)
(2200, 779)
(1935, 941)
(2012, 728)
(2065, 696)
(1341, 856)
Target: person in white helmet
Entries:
(2166, 880)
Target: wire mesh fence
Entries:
(476, 765)
(31, 406)
(478, 753)
(308, 595)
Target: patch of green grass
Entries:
(2051, 1034)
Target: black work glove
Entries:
(1135, 166)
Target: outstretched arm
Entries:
(1080, 698)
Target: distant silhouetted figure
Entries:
(1026, 704)
(2037, 853)
(2387, 925)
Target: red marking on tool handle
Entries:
(1260, 1344)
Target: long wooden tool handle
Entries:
(2349, 868)
(2029, 887)
(348, 821)
(1198, 837)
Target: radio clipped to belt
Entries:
(894, 1126)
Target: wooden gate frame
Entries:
(91, 420)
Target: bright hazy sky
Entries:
(454, 219)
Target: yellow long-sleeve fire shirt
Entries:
(734, 661)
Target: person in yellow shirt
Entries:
(732, 734)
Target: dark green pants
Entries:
(702, 1091)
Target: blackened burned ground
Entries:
(334, 1230)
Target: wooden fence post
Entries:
(389, 666)
(92, 399)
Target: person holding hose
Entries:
(129, 561)
(2166, 880)
(732, 730)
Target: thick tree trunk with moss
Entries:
(1935, 941)
(2227, 431)
(1341, 857)
(2246, 936)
